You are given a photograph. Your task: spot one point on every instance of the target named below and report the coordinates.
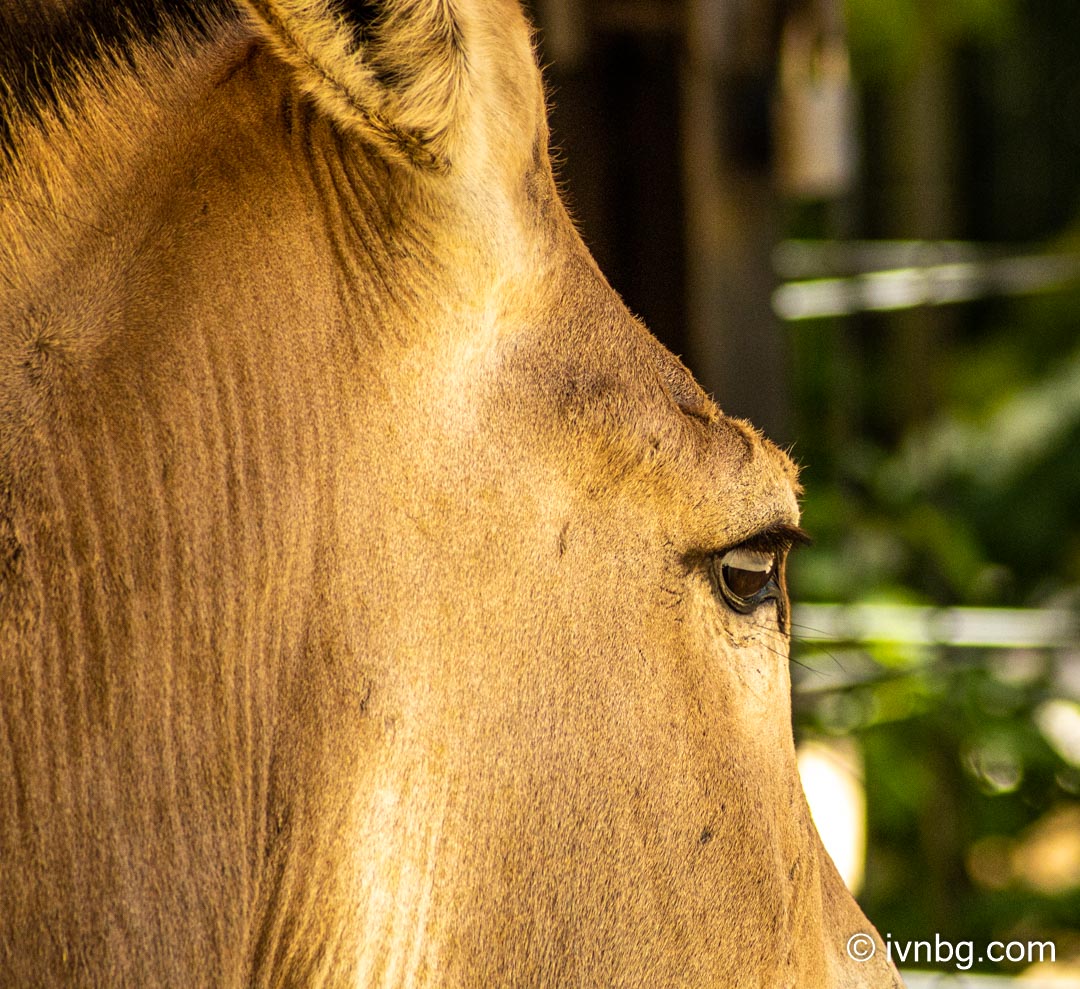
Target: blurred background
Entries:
(858, 221)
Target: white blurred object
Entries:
(815, 114)
(1059, 721)
(832, 776)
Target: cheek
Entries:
(747, 659)
(760, 665)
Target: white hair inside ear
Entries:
(396, 71)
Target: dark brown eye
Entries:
(747, 577)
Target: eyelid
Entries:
(778, 539)
(754, 560)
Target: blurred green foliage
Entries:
(886, 35)
(972, 500)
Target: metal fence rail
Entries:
(838, 278)
(938, 980)
(916, 625)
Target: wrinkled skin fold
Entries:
(359, 612)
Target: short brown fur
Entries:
(356, 621)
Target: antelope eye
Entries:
(747, 577)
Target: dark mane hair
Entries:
(46, 45)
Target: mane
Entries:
(47, 46)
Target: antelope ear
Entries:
(395, 70)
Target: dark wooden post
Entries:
(735, 343)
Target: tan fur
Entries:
(356, 625)
(417, 122)
(424, 46)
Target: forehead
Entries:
(598, 390)
(583, 380)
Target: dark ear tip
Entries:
(360, 12)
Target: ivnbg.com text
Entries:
(960, 954)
